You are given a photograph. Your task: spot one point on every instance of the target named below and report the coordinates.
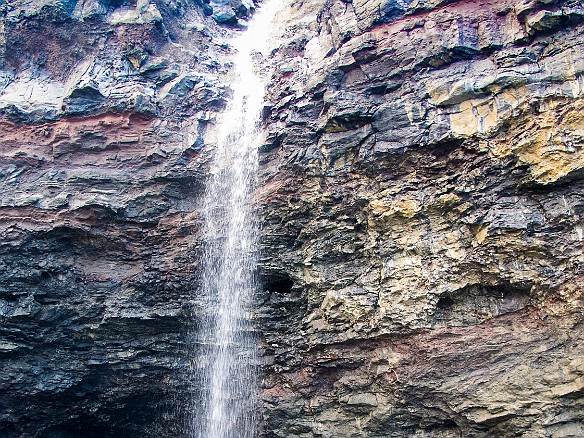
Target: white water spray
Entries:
(229, 382)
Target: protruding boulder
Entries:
(83, 100)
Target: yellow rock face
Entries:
(403, 207)
(475, 116)
(533, 111)
(551, 142)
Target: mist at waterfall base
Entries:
(226, 362)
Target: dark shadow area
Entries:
(277, 282)
(477, 303)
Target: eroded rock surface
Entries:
(421, 197)
(106, 114)
(422, 192)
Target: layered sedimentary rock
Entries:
(105, 108)
(421, 197)
(422, 201)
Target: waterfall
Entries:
(229, 355)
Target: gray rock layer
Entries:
(421, 199)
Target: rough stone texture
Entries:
(421, 197)
(105, 115)
(422, 194)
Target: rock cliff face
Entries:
(105, 109)
(421, 197)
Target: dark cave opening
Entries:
(278, 282)
(445, 303)
(475, 303)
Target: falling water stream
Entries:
(229, 381)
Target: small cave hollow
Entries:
(280, 299)
(276, 282)
(477, 303)
(445, 303)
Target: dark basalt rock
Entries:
(83, 100)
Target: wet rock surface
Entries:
(421, 199)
